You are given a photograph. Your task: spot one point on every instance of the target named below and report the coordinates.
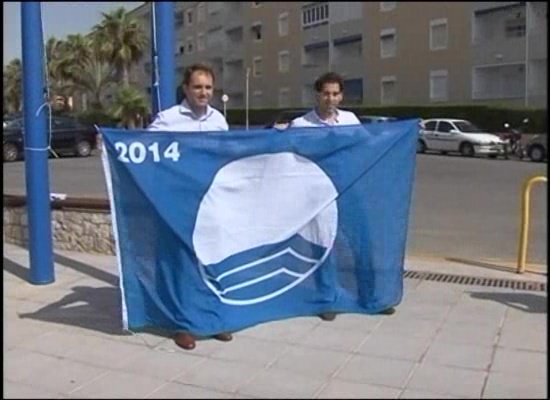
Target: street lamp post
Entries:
(247, 94)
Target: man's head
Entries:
(330, 91)
(198, 85)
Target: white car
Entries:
(457, 135)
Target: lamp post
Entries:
(247, 94)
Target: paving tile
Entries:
(274, 383)
(219, 375)
(20, 363)
(14, 390)
(419, 394)
(412, 327)
(161, 364)
(63, 376)
(287, 331)
(520, 362)
(180, 391)
(376, 371)
(348, 390)
(254, 351)
(118, 384)
(398, 346)
(427, 311)
(461, 333)
(333, 339)
(103, 352)
(513, 386)
(476, 314)
(205, 347)
(17, 333)
(524, 339)
(312, 362)
(449, 381)
(459, 355)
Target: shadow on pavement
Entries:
(97, 309)
(16, 269)
(528, 302)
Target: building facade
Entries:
(389, 53)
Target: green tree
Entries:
(122, 41)
(129, 107)
(13, 86)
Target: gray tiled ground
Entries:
(446, 341)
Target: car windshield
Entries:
(13, 123)
(467, 127)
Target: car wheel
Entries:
(11, 152)
(420, 146)
(467, 150)
(83, 148)
(492, 156)
(536, 153)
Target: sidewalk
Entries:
(445, 341)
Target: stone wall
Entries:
(77, 229)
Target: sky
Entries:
(59, 19)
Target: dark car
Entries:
(68, 136)
(286, 117)
(536, 147)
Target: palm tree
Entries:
(122, 41)
(13, 86)
(130, 107)
(58, 70)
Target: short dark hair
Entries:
(329, 77)
(197, 67)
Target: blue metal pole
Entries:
(36, 146)
(164, 14)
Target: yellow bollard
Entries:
(522, 256)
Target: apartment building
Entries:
(400, 53)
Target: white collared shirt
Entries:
(313, 119)
(180, 118)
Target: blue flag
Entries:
(220, 231)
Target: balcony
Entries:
(234, 83)
(498, 51)
(233, 52)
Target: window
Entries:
(438, 85)
(388, 90)
(257, 31)
(308, 97)
(387, 5)
(257, 67)
(201, 15)
(284, 61)
(189, 17)
(201, 44)
(315, 14)
(438, 34)
(388, 44)
(283, 24)
(444, 126)
(189, 46)
(430, 126)
(257, 99)
(284, 97)
(516, 27)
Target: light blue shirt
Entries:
(313, 119)
(181, 118)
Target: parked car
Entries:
(536, 148)
(369, 119)
(447, 135)
(68, 136)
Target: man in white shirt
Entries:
(330, 93)
(194, 114)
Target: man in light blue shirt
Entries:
(194, 114)
(330, 93)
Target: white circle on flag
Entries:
(265, 200)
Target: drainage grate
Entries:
(477, 281)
